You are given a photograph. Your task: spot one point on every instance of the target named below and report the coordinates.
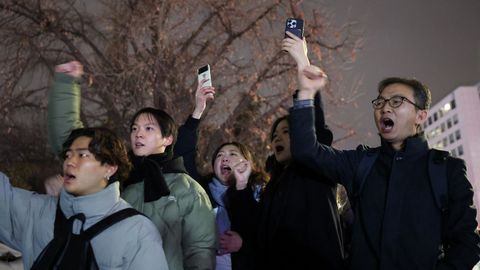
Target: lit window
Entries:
(439, 145)
(447, 107)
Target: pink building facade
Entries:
(454, 125)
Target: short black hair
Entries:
(165, 122)
(106, 147)
(421, 93)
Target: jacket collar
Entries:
(412, 146)
(151, 170)
(93, 205)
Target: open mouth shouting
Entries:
(386, 125)
(69, 177)
(282, 152)
(225, 170)
(279, 148)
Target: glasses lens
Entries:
(378, 103)
(396, 101)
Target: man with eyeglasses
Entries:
(397, 222)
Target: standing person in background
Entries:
(398, 224)
(233, 250)
(158, 185)
(233, 165)
(297, 221)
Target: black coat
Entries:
(397, 224)
(296, 224)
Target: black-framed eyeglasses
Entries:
(394, 102)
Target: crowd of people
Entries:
(149, 208)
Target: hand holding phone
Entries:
(297, 48)
(204, 92)
(295, 26)
(204, 77)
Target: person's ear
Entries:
(421, 117)
(168, 140)
(111, 170)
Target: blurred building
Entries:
(454, 125)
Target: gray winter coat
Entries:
(27, 222)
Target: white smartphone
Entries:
(204, 74)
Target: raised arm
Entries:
(324, 134)
(64, 104)
(334, 164)
(26, 219)
(298, 50)
(186, 145)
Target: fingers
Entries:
(202, 83)
(242, 166)
(314, 72)
(207, 90)
(53, 185)
(241, 172)
(72, 68)
(292, 36)
(230, 241)
(231, 233)
(288, 44)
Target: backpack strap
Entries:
(105, 223)
(437, 172)
(60, 220)
(51, 254)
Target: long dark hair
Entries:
(272, 166)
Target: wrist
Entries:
(197, 113)
(304, 94)
(302, 63)
(240, 186)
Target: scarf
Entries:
(218, 191)
(150, 170)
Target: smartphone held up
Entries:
(294, 26)
(204, 77)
